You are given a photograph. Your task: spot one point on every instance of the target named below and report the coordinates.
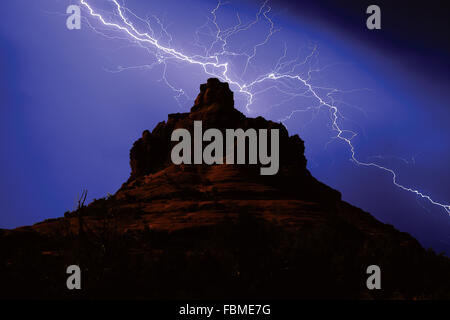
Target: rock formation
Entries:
(218, 231)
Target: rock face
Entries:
(214, 106)
(218, 231)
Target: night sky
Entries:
(73, 101)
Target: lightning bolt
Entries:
(211, 61)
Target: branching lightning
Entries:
(283, 74)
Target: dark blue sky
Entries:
(68, 119)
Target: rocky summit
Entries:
(218, 231)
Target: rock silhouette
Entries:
(218, 231)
